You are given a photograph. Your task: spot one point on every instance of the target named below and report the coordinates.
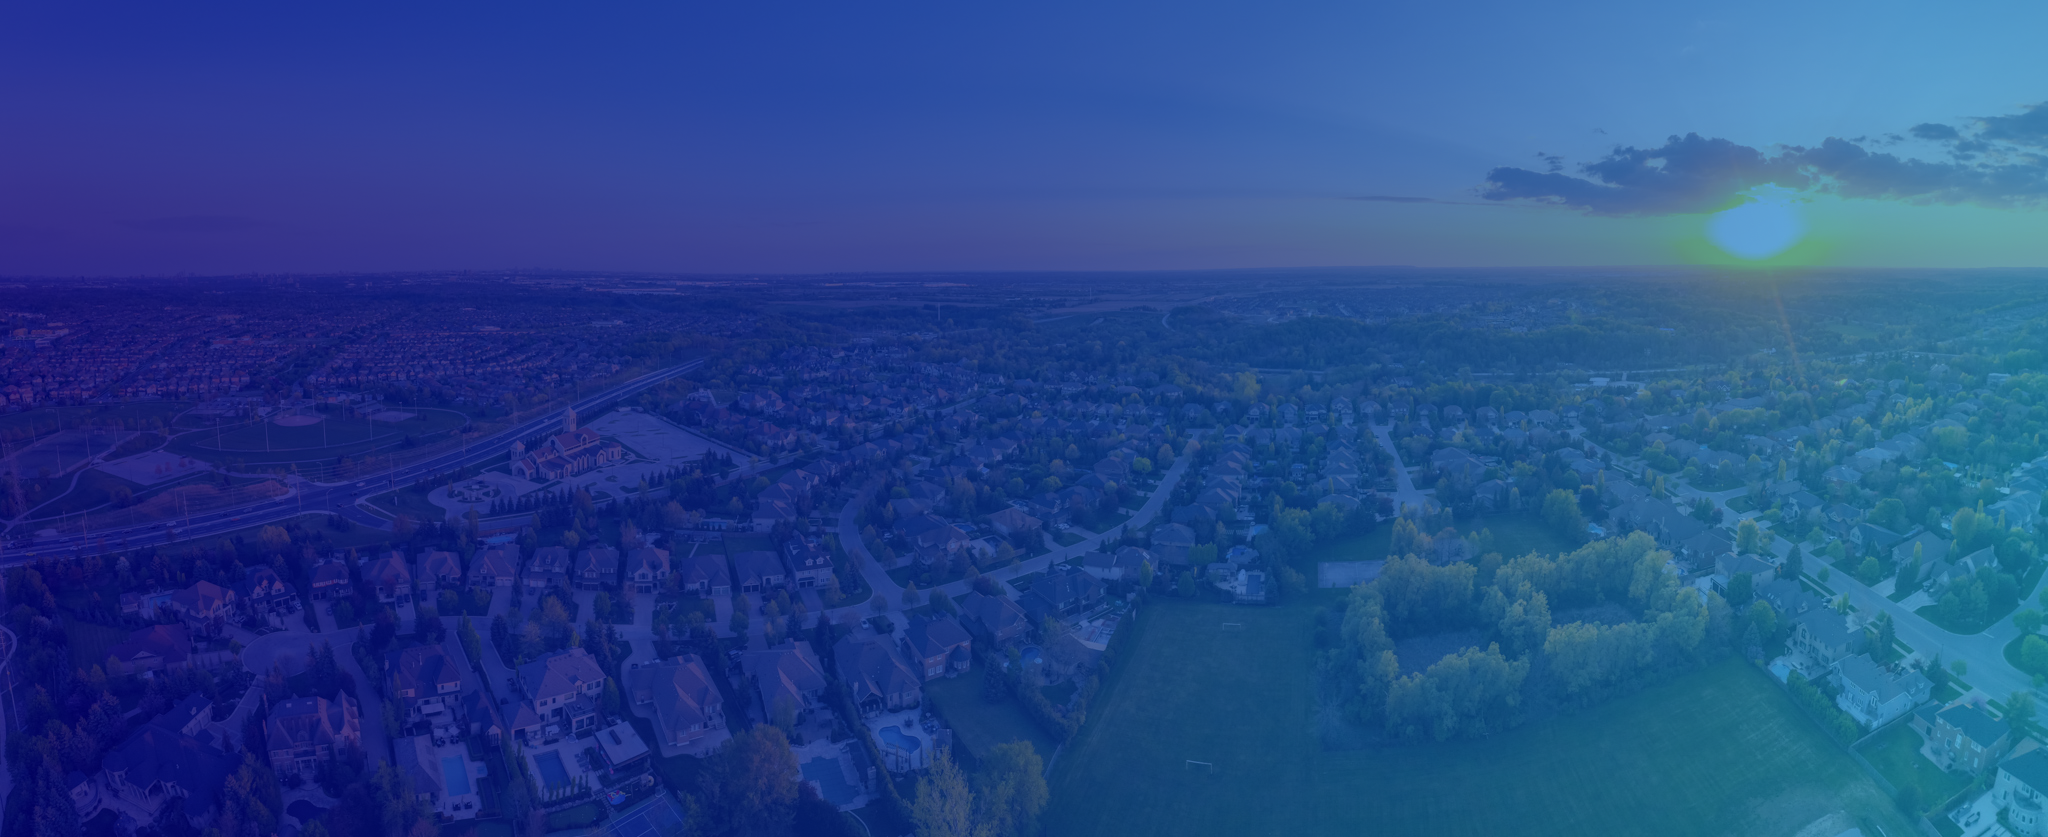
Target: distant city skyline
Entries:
(150, 140)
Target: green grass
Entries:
(1514, 535)
(1720, 751)
(580, 816)
(981, 725)
(1069, 538)
(1896, 754)
(411, 502)
(268, 443)
(89, 642)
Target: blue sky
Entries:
(766, 137)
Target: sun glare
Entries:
(1764, 227)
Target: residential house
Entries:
(678, 695)
(877, 676)
(703, 574)
(390, 577)
(1824, 637)
(1124, 563)
(425, 679)
(549, 568)
(1063, 591)
(155, 648)
(810, 562)
(790, 674)
(439, 569)
(495, 566)
(597, 567)
(938, 646)
(561, 692)
(1966, 739)
(157, 767)
(1013, 522)
(648, 567)
(1171, 542)
(758, 572)
(204, 608)
(997, 619)
(304, 733)
(330, 579)
(2021, 792)
(262, 591)
(1874, 696)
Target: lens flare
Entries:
(1759, 229)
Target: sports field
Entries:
(1718, 752)
(334, 435)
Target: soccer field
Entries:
(1717, 752)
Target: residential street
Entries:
(1405, 492)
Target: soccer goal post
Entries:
(1202, 766)
(1233, 626)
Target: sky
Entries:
(773, 137)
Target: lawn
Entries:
(89, 642)
(1514, 535)
(411, 502)
(981, 725)
(1932, 613)
(1721, 751)
(1896, 754)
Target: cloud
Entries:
(194, 224)
(1995, 166)
(1393, 199)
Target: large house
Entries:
(996, 619)
(705, 575)
(939, 647)
(597, 567)
(496, 566)
(158, 766)
(204, 608)
(330, 579)
(1824, 637)
(1874, 696)
(390, 576)
(549, 568)
(790, 674)
(677, 694)
(439, 569)
(2021, 790)
(564, 455)
(1062, 591)
(1965, 739)
(758, 572)
(155, 648)
(303, 733)
(647, 568)
(262, 591)
(561, 695)
(425, 678)
(810, 562)
(877, 676)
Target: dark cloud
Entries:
(1691, 174)
(194, 224)
(1936, 131)
(1393, 199)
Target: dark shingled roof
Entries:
(1980, 727)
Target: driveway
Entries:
(1405, 492)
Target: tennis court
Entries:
(657, 817)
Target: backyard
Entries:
(981, 724)
(1896, 754)
(1720, 751)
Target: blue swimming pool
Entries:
(895, 737)
(455, 772)
(552, 774)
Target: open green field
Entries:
(46, 420)
(1896, 754)
(981, 725)
(89, 642)
(1718, 752)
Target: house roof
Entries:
(997, 614)
(790, 670)
(870, 668)
(155, 754)
(438, 563)
(388, 570)
(311, 721)
(682, 692)
(550, 560)
(649, 559)
(704, 567)
(929, 638)
(424, 670)
(2030, 769)
(1865, 674)
(171, 643)
(560, 673)
(1829, 628)
(756, 567)
(1973, 722)
(496, 562)
(602, 560)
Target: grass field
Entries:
(1717, 752)
(89, 642)
(981, 725)
(333, 436)
(1514, 535)
(1896, 753)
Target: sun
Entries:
(1767, 224)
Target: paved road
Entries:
(321, 498)
(1405, 492)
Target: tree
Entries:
(1561, 510)
(1749, 540)
(944, 806)
(2019, 708)
(1741, 589)
(1885, 646)
(1795, 563)
(472, 644)
(2028, 620)
(751, 782)
(1013, 790)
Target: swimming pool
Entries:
(552, 774)
(895, 737)
(455, 772)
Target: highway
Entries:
(310, 497)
